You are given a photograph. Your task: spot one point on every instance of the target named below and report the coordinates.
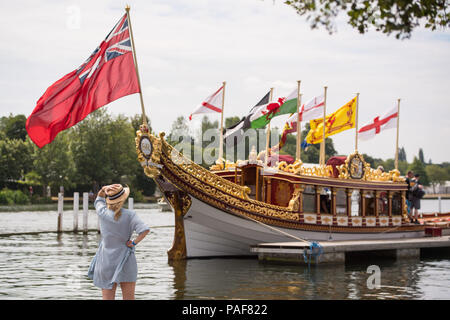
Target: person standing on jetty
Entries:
(416, 193)
(409, 178)
(115, 261)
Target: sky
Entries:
(186, 49)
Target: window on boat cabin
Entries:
(397, 204)
(309, 199)
(383, 207)
(370, 203)
(341, 202)
(356, 201)
(325, 200)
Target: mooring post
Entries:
(60, 210)
(98, 224)
(76, 207)
(439, 202)
(85, 212)
(130, 203)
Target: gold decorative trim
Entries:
(355, 167)
(230, 197)
(181, 202)
(150, 164)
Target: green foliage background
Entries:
(97, 151)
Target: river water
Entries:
(45, 265)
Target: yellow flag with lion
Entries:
(340, 120)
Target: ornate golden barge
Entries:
(225, 210)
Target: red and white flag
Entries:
(388, 121)
(108, 74)
(313, 109)
(211, 104)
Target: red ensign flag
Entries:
(108, 74)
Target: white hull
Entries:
(211, 232)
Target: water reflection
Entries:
(52, 266)
(179, 280)
(250, 279)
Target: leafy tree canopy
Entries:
(399, 17)
(418, 167)
(13, 127)
(436, 175)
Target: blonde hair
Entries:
(116, 207)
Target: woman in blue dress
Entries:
(115, 261)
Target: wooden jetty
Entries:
(339, 251)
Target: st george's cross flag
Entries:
(313, 109)
(213, 103)
(387, 121)
(108, 74)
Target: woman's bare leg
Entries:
(109, 294)
(128, 290)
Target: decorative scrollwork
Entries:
(222, 165)
(181, 202)
(148, 157)
(298, 169)
(225, 193)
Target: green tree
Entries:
(403, 167)
(207, 125)
(374, 162)
(312, 152)
(14, 126)
(402, 154)
(54, 164)
(16, 159)
(417, 167)
(230, 121)
(136, 122)
(446, 167)
(179, 129)
(103, 149)
(387, 16)
(421, 157)
(436, 175)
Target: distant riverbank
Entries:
(67, 207)
(437, 195)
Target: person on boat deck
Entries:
(115, 261)
(409, 178)
(325, 202)
(415, 200)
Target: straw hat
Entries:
(116, 193)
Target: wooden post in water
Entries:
(76, 207)
(131, 203)
(85, 212)
(60, 211)
(98, 224)
(440, 207)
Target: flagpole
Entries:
(221, 123)
(299, 132)
(356, 121)
(144, 117)
(396, 144)
(322, 144)
(266, 161)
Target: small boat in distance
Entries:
(163, 205)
